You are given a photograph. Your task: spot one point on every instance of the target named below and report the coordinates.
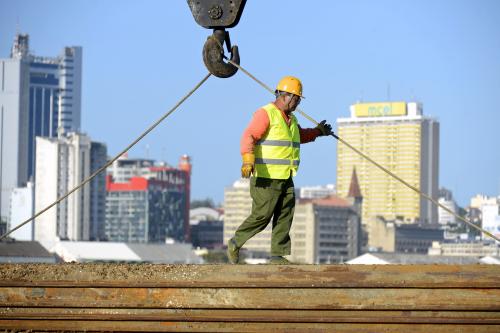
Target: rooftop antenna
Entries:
(388, 92)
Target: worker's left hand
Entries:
(324, 128)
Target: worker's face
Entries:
(292, 102)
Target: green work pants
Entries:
(272, 198)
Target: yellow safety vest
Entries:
(277, 154)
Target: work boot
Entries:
(279, 260)
(233, 252)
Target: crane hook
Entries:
(218, 15)
(213, 54)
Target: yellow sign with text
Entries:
(380, 109)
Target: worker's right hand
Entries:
(248, 165)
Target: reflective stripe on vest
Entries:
(279, 143)
(277, 154)
(276, 161)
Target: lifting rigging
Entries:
(218, 15)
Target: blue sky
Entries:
(140, 57)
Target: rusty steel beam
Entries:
(256, 298)
(245, 298)
(276, 315)
(167, 326)
(251, 276)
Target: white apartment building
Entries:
(62, 164)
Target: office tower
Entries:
(146, 202)
(398, 136)
(237, 207)
(39, 97)
(14, 103)
(98, 158)
(61, 165)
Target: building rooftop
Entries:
(384, 258)
(331, 200)
(24, 251)
(126, 252)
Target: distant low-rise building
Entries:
(316, 192)
(464, 249)
(325, 230)
(445, 218)
(395, 236)
(207, 227)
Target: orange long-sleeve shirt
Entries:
(258, 128)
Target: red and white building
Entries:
(148, 202)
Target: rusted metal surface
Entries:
(256, 298)
(246, 298)
(251, 276)
(167, 326)
(275, 315)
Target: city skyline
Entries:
(442, 55)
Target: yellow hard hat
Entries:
(290, 84)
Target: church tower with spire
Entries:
(354, 194)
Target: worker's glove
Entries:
(324, 128)
(248, 165)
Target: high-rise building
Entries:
(14, 108)
(398, 136)
(40, 96)
(149, 203)
(397, 236)
(61, 165)
(98, 158)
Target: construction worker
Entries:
(270, 148)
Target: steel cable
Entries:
(435, 202)
(139, 138)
